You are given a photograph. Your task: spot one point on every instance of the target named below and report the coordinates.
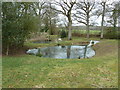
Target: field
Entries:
(28, 71)
(94, 32)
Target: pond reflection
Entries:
(68, 51)
(64, 52)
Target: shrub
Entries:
(44, 29)
(111, 33)
(16, 26)
(38, 54)
(63, 34)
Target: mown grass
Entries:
(63, 42)
(28, 71)
(84, 31)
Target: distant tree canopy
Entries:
(18, 21)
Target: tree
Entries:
(39, 12)
(66, 10)
(103, 8)
(114, 14)
(113, 21)
(18, 21)
(84, 12)
(50, 18)
(103, 15)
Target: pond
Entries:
(64, 52)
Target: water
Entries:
(64, 52)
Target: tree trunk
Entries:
(115, 19)
(70, 30)
(102, 27)
(7, 50)
(87, 28)
(39, 25)
(39, 18)
(88, 31)
(101, 36)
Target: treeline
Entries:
(21, 19)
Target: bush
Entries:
(38, 54)
(111, 33)
(16, 26)
(63, 34)
(44, 29)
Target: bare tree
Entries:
(84, 12)
(66, 9)
(113, 15)
(102, 11)
(41, 6)
(39, 12)
(45, 15)
(50, 18)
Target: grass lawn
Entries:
(84, 31)
(64, 42)
(28, 71)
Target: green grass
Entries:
(28, 71)
(63, 42)
(84, 31)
